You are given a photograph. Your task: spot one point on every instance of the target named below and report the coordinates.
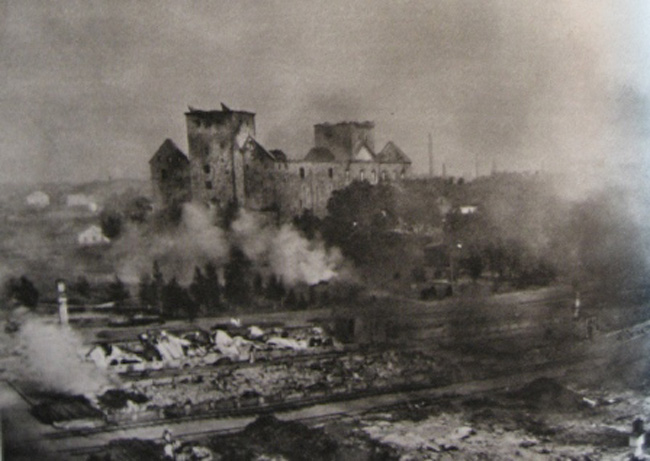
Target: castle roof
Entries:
(320, 154)
(392, 154)
(169, 150)
(214, 114)
(365, 124)
(279, 155)
(363, 153)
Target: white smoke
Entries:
(54, 358)
(286, 253)
(194, 242)
(282, 251)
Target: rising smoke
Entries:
(52, 357)
(286, 253)
(281, 251)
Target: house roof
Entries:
(279, 155)
(320, 154)
(169, 150)
(392, 154)
(258, 150)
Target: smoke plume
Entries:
(286, 253)
(282, 251)
(53, 358)
(195, 241)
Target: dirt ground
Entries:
(545, 420)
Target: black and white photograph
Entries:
(343, 230)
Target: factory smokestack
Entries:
(63, 302)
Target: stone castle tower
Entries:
(216, 141)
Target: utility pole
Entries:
(430, 156)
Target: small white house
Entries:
(92, 236)
(38, 199)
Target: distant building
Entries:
(38, 199)
(170, 175)
(82, 201)
(468, 209)
(93, 235)
(228, 165)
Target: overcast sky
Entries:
(90, 89)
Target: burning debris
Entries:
(156, 350)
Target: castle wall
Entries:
(170, 182)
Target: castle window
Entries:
(362, 175)
(163, 174)
(302, 173)
(206, 168)
(383, 175)
(330, 172)
(208, 184)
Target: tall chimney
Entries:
(430, 156)
(63, 302)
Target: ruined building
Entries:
(227, 164)
(170, 175)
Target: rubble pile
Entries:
(270, 438)
(157, 350)
(67, 411)
(268, 383)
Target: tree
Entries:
(147, 292)
(197, 288)
(308, 224)
(111, 223)
(237, 276)
(22, 290)
(275, 289)
(258, 284)
(473, 264)
(212, 290)
(291, 301)
(176, 301)
(138, 209)
(117, 291)
(158, 283)
(358, 218)
(82, 286)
